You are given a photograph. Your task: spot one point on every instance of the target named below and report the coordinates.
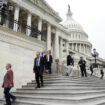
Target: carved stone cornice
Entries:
(21, 40)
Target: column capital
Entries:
(17, 7)
(48, 24)
(39, 18)
(29, 14)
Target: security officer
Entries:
(82, 64)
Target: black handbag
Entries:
(3, 86)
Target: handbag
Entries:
(3, 86)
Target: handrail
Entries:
(5, 17)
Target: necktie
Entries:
(37, 62)
(47, 58)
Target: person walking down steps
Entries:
(8, 84)
(70, 64)
(39, 69)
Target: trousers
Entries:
(83, 72)
(8, 96)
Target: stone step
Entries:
(62, 90)
(69, 80)
(66, 77)
(62, 87)
(73, 80)
(75, 76)
(75, 96)
(66, 83)
(88, 101)
(58, 91)
(92, 101)
(33, 91)
(101, 103)
(25, 102)
(76, 79)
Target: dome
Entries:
(70, 23)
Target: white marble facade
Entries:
(22, 61)
(19, 49)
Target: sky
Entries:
(90, 14)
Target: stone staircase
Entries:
(61, 90)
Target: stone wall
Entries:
(21, 57)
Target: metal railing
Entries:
(22, 26)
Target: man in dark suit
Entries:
(82, 64)
(70, 60)
(39, 69)
(70, 64)
(8, 84)
(48, 61)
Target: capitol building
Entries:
(29, 26)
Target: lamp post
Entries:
(95, 55)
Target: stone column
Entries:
(49, 37)
(16, 18)
(73, 46)
(29, 18)
(80, 48)
(89, 50)
(7, 23)
(61, 48)
(86, 49)
(83, 48)
(56, 47)
(67, 48)
(39, 28)
(76, 47)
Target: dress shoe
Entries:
(42, 84)
(37, 87)
(14, 100)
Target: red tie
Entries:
(47, 58)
